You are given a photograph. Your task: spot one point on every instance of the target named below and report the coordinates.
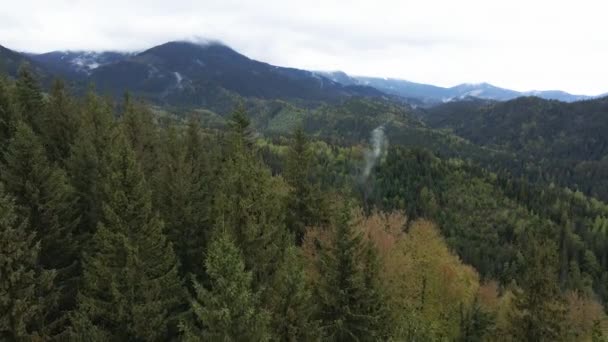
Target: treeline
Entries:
(116, 225)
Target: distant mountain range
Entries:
(431, 94)
(183, 73)
(189, 74)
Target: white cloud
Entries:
(518, 44)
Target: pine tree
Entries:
(249, 203)
(305, 205)
(43, 194)
(241, 137)
(183, 199)
(60, 124)
(7, 114)
(348, 301)
(141, 131)
(291, 302)
(374, 303)
(475, 323)
(230, 309)
(89, 160)
(131, 288)
(539, 309)
(29, 101)
(24, 285)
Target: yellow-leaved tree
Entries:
(427, 287)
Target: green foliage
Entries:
(539, 309)
(554, 141)
(7, 114)
(89, 161)
(142, 133)
(350, 306)
(60, 124)
(131, 288)
(476, 323)
(43, 195)
(597, 334)
(292, 302)
(25, 288)
(28, 100)
(249, 203)
(183, 195)
(91, 186)
(305, 204)
(230, 309)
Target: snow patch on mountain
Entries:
(178, 79)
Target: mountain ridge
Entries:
(432, 94)
(183, 72)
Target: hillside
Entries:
(10, 61)
(563, 142)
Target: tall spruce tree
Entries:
(142, 133)
(60, 124)
(249, 203)
(291, 301)
(89, 160)
(7, 114)
(539, 308)
(305, 204)
(29, 101)
(374, 303)
(131, 289)
(24, 285)
(229, 310)
(349, 300)
(183, 200)
(43, 194)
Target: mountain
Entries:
(559, 95)
(169, 71)
(11, 60)
(213, 75)
(77, 63)
(186, 74)
(430, 94)
(405, 89)
(481, 90)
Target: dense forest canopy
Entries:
(563, 143)
(123, 221)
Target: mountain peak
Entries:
(189, 46)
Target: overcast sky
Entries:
(518, 44)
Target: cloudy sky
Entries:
(518, 44)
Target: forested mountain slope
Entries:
(10, 61)
(557, 142)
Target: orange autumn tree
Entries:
(427, 286)
(583, 313)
